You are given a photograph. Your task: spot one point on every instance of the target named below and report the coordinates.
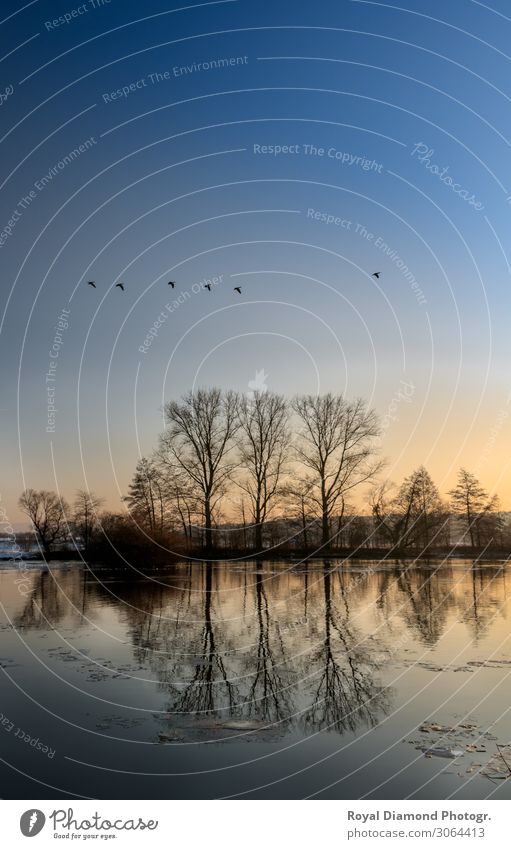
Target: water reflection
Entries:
(346, 693)
(298, 649)
(426, 600)
(483, 598)
(210, 685)
(268, 697)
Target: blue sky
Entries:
(170, 185)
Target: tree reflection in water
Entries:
(265, 643)
(268, 696)
(428, 599)
(203, 693)
(346, 694)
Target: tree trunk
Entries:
(340, 526)
(469, 523)
(259, 536)
(325, 518)
(190, 527)
(325, 529)
(304, 528)
(244, 525)
(208, 529)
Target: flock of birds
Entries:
(170, 283)
(206, 285)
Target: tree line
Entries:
(243, 473)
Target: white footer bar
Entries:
(255, 824)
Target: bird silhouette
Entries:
(376, 274)
(207, 286)
(119, 286)
(237, 289)
(171, 283)
(91, 283)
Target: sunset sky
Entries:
(393, 131)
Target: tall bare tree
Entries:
(263, 443)
(336, 446)
(199, 439)
(48, 513)
(85, 515)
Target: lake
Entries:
(256, 680)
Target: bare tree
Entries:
(478, 509)
(48, 514)
(85, 515)
(264, 440)
(337, 447)
(414, 516)
(199, 439)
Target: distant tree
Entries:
(361, 532)
(390, 523)
(264, 445)
(121, 537)
(490, 526)
(48, 514)
(413, 517)
(146, 498)
(479, 510)
(199, 440)
(299, 503)
(353, 531)
(336, 446)
(85, 515)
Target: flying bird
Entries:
(207, 286)
(91, 283)
(237, 289)
(376, 274)
(171, 283)
(119, 286)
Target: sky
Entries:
(289, 149)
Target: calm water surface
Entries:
(259, 681)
